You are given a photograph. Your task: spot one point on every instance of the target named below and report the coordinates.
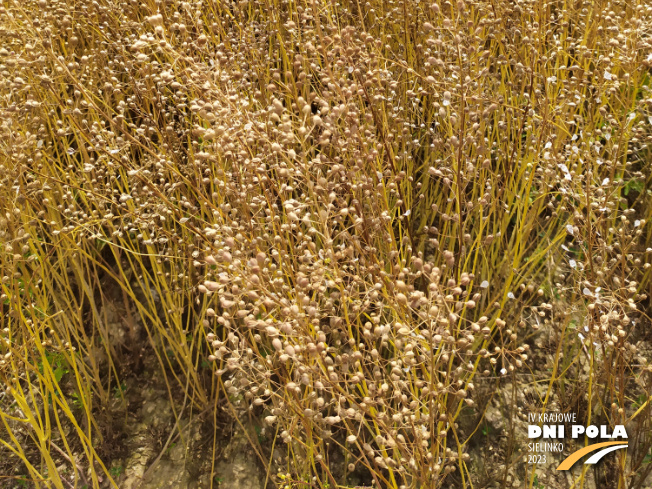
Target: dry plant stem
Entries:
(356, 214)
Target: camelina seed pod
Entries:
(212, 286)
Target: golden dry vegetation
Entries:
(345, 228)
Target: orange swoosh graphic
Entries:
(575, 456)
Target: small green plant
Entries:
(648, 458)
(77, 400)
(169, 448)
(119, 390)
(260, 434)
(57, 363)
(640, 400)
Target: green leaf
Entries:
(119, 390)
(634, 184)
(59, 372)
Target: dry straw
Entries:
(363, 214)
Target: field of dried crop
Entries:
(309, 244)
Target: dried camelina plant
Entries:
(368, 210)
(381, 368)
